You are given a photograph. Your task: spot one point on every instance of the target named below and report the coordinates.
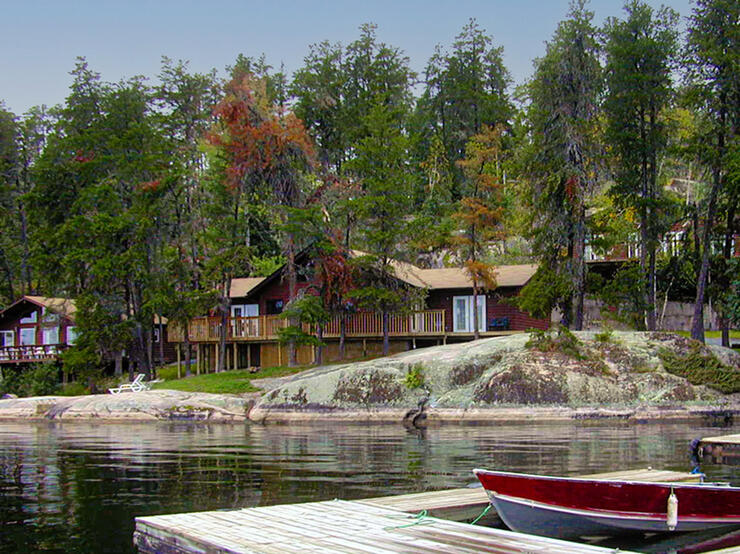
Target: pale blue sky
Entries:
(40, 39)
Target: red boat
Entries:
(563, 507)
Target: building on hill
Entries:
(447, 316)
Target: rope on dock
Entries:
(421, 519)
(481, 516)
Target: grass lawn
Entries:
(226, 382)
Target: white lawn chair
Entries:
(137, 385)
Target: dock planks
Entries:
(467, 503)
(728, 440)
(336, 526)
(384, 524)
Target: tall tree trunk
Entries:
(26, 276)
(319, 359)
(342, 335)
(188, 353)
(579, 269)
(386, 339)
(292, 285)
(223, 328)
(697, 324)
(161, 341)
(118, 363)
(727, 253)
(476, 326)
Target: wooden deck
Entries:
(334, 526)
(384, 524)
(427, 323)
(30, 353)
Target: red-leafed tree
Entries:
(266, 149)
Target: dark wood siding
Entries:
(495, 308)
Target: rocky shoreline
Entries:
(624, 378)
(169, 406)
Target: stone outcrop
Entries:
(156, 405)
(620, 375)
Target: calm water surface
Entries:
(76, 487)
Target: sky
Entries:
(41, 39)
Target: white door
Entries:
(244, 328)
(462, 313)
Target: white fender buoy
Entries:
(672, 511)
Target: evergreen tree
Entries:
(713, 64)
(563, 163)
(640, 54)
(466, 89)
(380, 166)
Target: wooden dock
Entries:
(385, 524)
(468, 503)
(723, 449)
(334, 526)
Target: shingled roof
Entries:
(457, 277)
(241, 286)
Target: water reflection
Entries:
(77, 487)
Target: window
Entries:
(155, 335)
(49, 317)
(7, 338)
(30, 318)
(462, 313)
(28, 336)
(245, 310)
(274, 306)
(50, 335)
(71, 335)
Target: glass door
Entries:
(462, 313)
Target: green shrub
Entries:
(555, 339)
(605, 336)
(414, 376)
(701, 367)
(34, 380)
(42, 379)
(75, 388)
(12, 381)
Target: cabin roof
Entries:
(61, 306)
(458, 278)
(242, 286)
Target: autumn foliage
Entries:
(256, 135)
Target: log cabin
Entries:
(447, 316)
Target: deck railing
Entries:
(265, 327)
(30, 353)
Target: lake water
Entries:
(76, 487)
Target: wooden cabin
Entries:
(256, 304)
(36, 329)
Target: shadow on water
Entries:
(77, 487)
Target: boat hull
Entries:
(567, 508)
